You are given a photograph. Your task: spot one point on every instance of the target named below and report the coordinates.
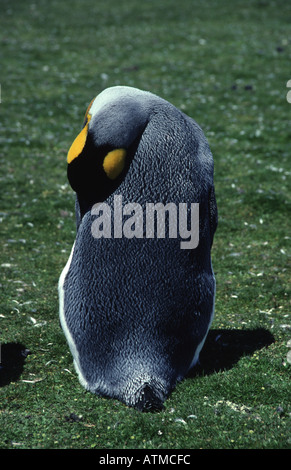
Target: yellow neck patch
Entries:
(79, 142)
(113, 163)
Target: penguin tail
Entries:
(148, 399)
(149, 396)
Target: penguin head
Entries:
(100, 155)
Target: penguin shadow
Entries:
(223, 349)
(12, 359)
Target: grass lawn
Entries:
(224, 63)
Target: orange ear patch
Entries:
(114, 162)
(88, 109)
(79, 142)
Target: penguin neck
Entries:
(85, 205)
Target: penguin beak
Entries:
(79, 142)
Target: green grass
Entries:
(225, 64)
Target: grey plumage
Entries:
(136, 311)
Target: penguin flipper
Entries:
(213, 216)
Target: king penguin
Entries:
(136, 310)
